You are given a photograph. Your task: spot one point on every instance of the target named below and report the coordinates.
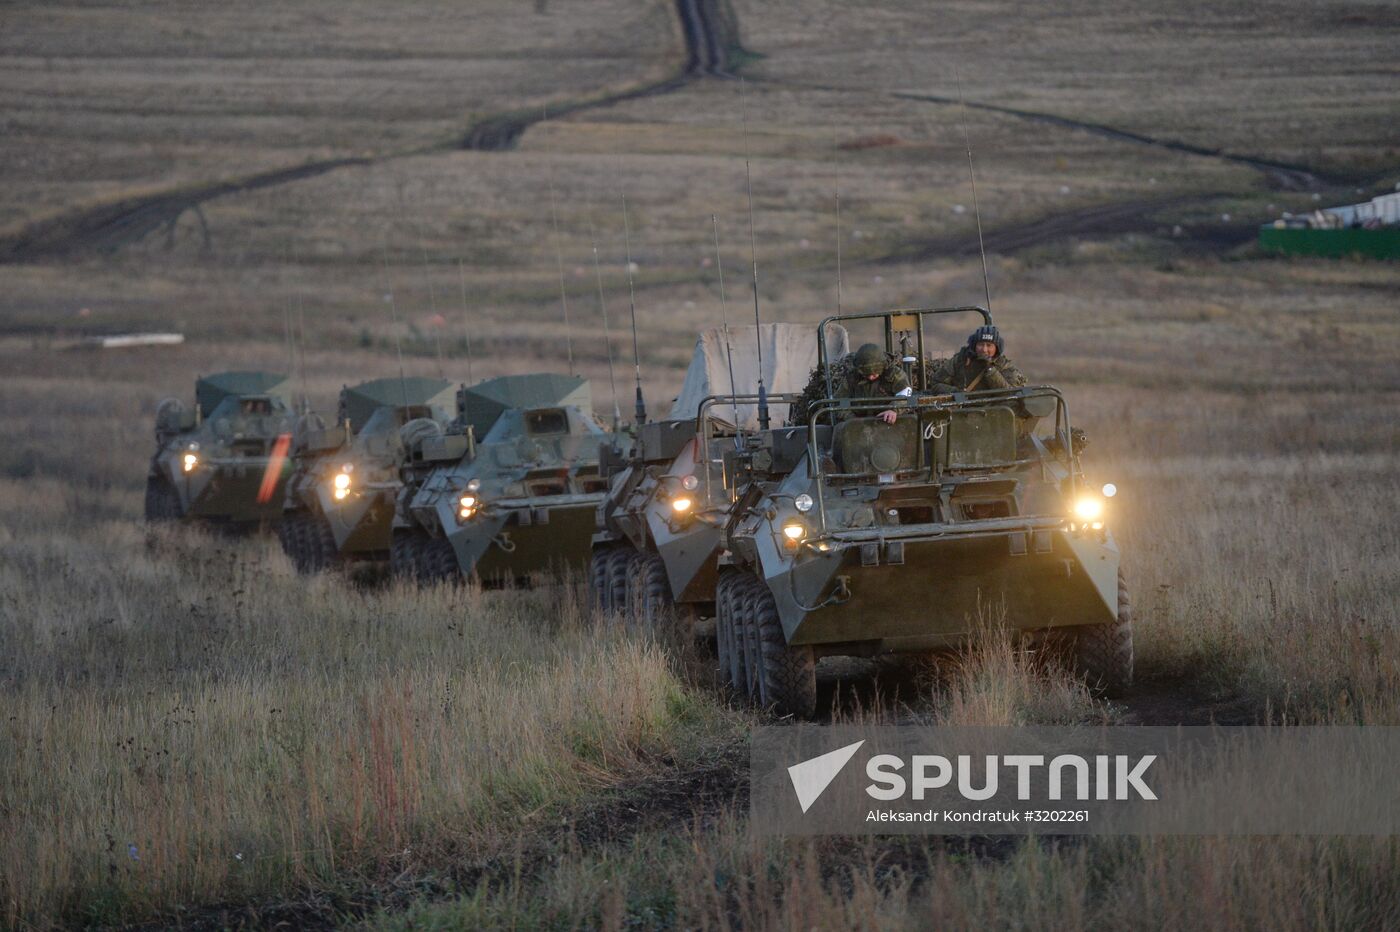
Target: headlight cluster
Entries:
(190, 461)
(1089, 509)
(466, 506)
(340, 485)
(681, 505)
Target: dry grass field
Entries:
(190, 734)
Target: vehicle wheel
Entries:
(323, 552)
(162, 504)
(746, 637)
(728, 657)
(598, 572)
(403, 546)
(655, 607)
(619, 575)
(441, 560)
(1103, 654)
(787, 674)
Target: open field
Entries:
(193, 734)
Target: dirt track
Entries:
(710, 38)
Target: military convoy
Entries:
(339, 502)
(224, 460)
(519, 500)
(841, 534)
(864, 526)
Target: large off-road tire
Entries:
(322, 552)
(1103, 654)
(787, 674)
(598, 570)
(439, 561)
(404, 545)
(727, 655)
(619, 579)
(162, 502)
(652, 592)
(286, 536)
(746, 637)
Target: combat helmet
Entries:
(869, 360)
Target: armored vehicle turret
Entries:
(339, 503)
(225, 458)
(854, 536)
(660, 527)
(510, 490)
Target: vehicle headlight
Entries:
(681, 505)
(690, 483)
(341, 485)
(794, 530)
(465, 512)
(1089, 508)
(467, 501)
(1110, 490)
(190, 461)
(473, 485)
(803, 503)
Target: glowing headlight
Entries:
(1110, 490)
(803, 503)
(794, 531)
(690, 483)
(467, 502)
(465, 512)
(681, 505)
(1088, 508)
(190, 462)
(341, 481)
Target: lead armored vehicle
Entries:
(660, 527)
(339, 502)
(509, 490)
(852, 536)
(225, 458)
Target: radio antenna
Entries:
(724, 316)
(466, 317)
(394, 316)
(432, 293)
(607, 330)
(972, 177)
(287, 319)
(559, 256)
(763, 420)
(641, 411)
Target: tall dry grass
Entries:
(187, 722)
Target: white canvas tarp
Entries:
(789, 356)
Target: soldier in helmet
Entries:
(870, 372)
(980, 365)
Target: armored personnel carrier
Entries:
(852, 536)
(518, 500)
(224, 459)
(660, 527)
(339, 502)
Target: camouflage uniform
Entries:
(847, 382)
(965, 371)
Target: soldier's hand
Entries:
(887, 416)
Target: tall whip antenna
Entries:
(641, 411)
(972, 177)
(394, 315)
(724, 316)
(763, 420)
(287, 318)
(559, 258)
(607, 330)
(466, 317)
(838, 244)
(432, 293)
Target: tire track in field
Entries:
(711, 39)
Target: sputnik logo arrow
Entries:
(811, 777)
